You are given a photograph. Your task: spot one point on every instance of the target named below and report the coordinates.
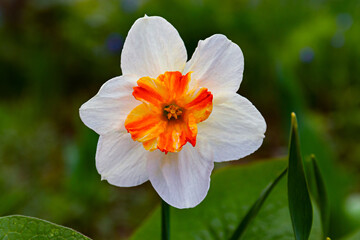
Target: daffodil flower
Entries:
(168, 120)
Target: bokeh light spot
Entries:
(130, 5)
(114, 42)
(338, 40)
(344, 21)
(307, 54)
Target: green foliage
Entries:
(255, 208)
(29, 228)
(232, 192)
(353, 236)
(299, 200)
(55, 55)
(318, 192)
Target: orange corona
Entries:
(168, 116)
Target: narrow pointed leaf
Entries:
(233, 191)
(165, 220)
(26, 228)
(298, 195)
(321, 196)
(309, 173)
(251, 214)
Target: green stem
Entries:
(165, 220)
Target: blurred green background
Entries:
(301, 56)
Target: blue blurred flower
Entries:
(114, 42)
(130, 5)
(307, 54)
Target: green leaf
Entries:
(24, 228)
(233, 190)
(298, 195)
(251, 214)
(320, 195)
(353, 236)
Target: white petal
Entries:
(152, 47)
(108, 109)
(217, 64)
(181, 179)
(234, 129)
(122, 161)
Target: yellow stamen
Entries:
(172, 111)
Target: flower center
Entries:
(168, 116)
(172, 111)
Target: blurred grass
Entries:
(300, 56)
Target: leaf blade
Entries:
(26, 228)
(234, 188)
(321, 199)
(298, 195)
(255, 208)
